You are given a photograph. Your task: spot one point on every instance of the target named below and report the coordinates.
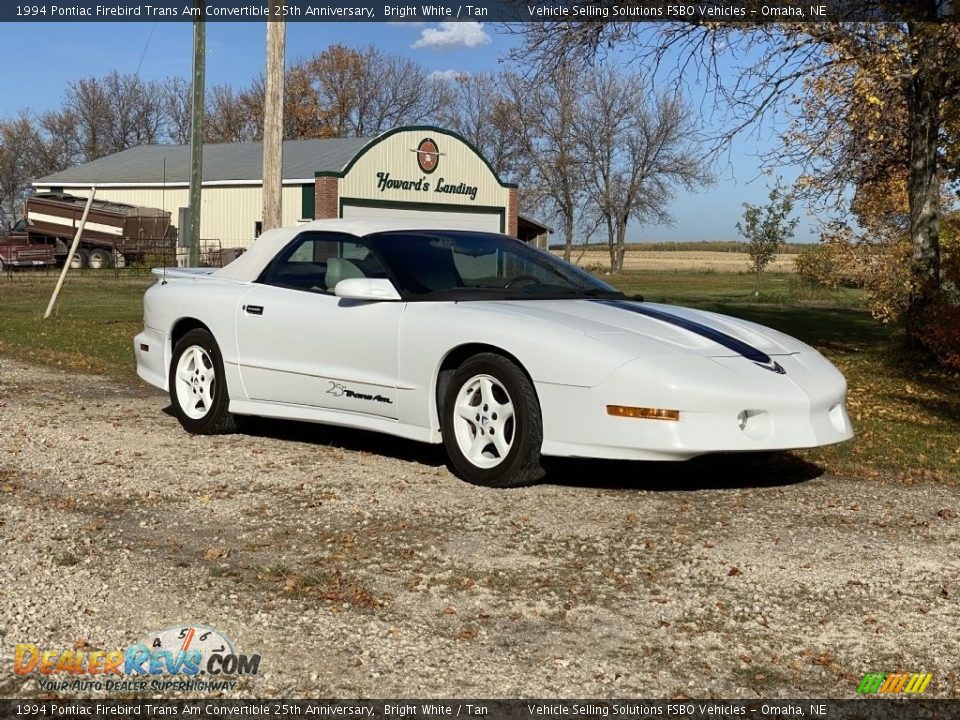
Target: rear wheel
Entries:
(98, 259)
(198, 388)
(492, 428)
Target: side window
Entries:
(316, 263)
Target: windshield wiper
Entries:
(600, 292)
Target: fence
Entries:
(132, 258)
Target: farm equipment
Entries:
(116, 234)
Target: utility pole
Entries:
(196, 129)
(273, 118)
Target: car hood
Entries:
(643, 329)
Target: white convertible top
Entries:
(248, 266)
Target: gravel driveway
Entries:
(358, 566)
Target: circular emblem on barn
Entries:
(428, 155)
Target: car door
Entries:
(299, 343)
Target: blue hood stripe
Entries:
(727, 341)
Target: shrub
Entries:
(817, 267)
(839, 260)
(938, 331)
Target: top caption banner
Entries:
(744, 11)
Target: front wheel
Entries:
(80, 260)
(198, 388)
(492, 428)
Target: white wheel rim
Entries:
(196, 382)
(483, 421)
(96, 261)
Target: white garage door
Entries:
(487, 221)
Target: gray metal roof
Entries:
(221, 163)
(533, 221)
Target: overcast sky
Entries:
(55, 53)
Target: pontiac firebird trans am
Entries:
(498, 350)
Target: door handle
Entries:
(253, 309)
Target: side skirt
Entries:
(307, 413)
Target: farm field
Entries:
(683, 260)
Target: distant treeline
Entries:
(699, 246)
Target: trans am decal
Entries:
(338, 390)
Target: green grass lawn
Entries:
(906, 413)
(92, 327)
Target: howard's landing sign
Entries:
(386, 182)
(428, 159)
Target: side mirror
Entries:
(370, 289)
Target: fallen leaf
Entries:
(735, 572)
(467, 633)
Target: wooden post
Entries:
(273, 119)
(196, 131)
(73, 251)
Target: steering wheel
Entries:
(521, 278)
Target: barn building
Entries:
(414, 172)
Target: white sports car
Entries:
(498, 350)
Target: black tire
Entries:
(521, 463)
(81, 260)
(201, 417)
(98, 259)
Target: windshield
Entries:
(463, 265)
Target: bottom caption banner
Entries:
(868, 709)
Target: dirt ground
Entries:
(358, 566)
(681, 260)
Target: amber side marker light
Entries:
(644, 413)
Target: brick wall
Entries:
(513, 200)
(327, 198)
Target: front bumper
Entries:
(151, 348)
(726, 405)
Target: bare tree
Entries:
(59, 142)
(28, 149)
(400, 92)
(115, 113)
(641, 146)
(545, 111)
(176, 107)
(16, 143)
(480, 111)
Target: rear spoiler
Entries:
(177, 273)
